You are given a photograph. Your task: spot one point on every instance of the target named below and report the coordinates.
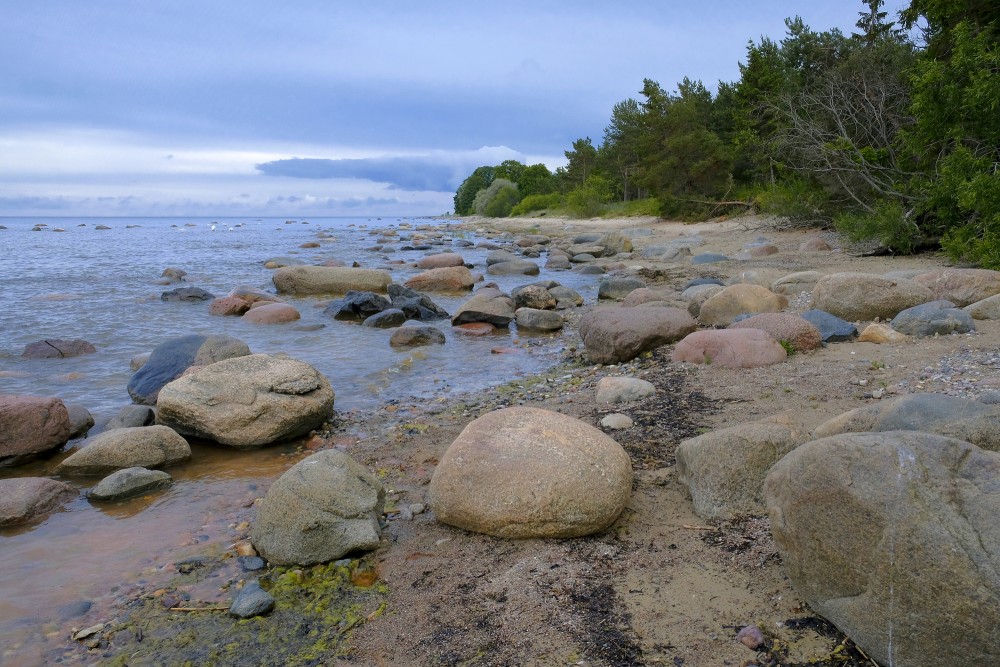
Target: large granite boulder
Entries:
(449, 279)
(440, 261)
(247, 402)
(986, 309)
(128, 483)
(329, 280)
(618, 287)
(486, 305)
(415, 335)
(538, 320)
(796, 283)
(612, 335)
(724, 470)
(518, 267)
(170, 359)
(271, 313)
(28, 499)
(894, 538)
(322, 508)
(952, 416)
(721, 309)
(866, 296)
(801, 334)
(31, 426)
(730, 348)
(533, 296)
(525, 472)
(936, 318)
(961, 286)
(57, 348)
(145, 446)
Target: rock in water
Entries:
(27, 499)
(170, 359)
(322, 508)
(894, 538)
(146, 446)
(247, 402)
(57, 348)
(30, 426)
(329, 280)
(525, 472)
(128, 483)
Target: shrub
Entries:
(799, 200)
(589, 199)
(648, 206)
(888, 224)
(485, 197)
(537, 203)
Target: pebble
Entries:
(617, 421)
(751, 637)
(252, 601)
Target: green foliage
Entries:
(588, 200)
(466, 194)
(536, 179)
(533, 203)
(798, 199)
(580, 165)
(888, 224)
(638, 207)
(497, 200)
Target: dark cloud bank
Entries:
(403, 173)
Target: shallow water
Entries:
(99, 285)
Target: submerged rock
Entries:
(28, 499)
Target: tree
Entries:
(536, 179)
(501, 191)
(509, 169)
(465, 196)
(581, 161)
(620, 154)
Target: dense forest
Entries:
(891, 133)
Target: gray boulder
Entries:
(894, 538)
(27, 499)
(329, 280)
(533, 296)
(247, 402)
(831, 328)
(80, 420)
(526, 472)
(321, 509)
(520, 267)
(538, 320)
(866, 296)
(131, 416)
(147, 446)
(415, 305)
(937, 318)
(187, 294)
(486, 305)
(57, 348)
(387, 319)
(414, 335)
(357, 306)
(720, 309)
(724, 470)
(612, 335)
(31, 426)
(986, 309)
(961, 286)
(170, 359)
(618, 287)
(129, 483)
(252, 600)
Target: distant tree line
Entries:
(882, 136)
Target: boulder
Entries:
(80, 420)
(538, 320)
(525, 472)
(951, 416)
(228, 305)
(814, 245)
(252, 294)
(615, 243)
(357, 306)
(867, 296)
(415, 305)
(131, 416)
(321, 509)
(558, 262)
(187, 294)
(329, 280)
(762, 250)
(566, 297)
(411, 336)
(129, 483)
(592, 249)
(623, 389)
(57, 348)
(936, 318)
(146, 446)
(730, 348)
(500, 257)
(618, 287)
(720, 309)
(961, 286)
(252, 600)
(880, 334)
(520, 267)
(170, 359)
(762, 277)
(31, 426)
(612, 335)
(450, 279)
(643, 295)
(616, 422)
(533, 296)
(831, 328)
(724, 470)
(709, 258)
(801, 334)
(893, 538)
(796, 283)
(486, 305)
(387, 319)
(28, 499)
(986, 309)
(271, 313)
(247, 402)
(440, 261)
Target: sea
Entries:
(97, 279)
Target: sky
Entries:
(329, 108)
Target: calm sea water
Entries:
(100, 285)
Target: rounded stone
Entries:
(525, 472)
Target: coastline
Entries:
(659, 585)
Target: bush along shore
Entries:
(754, 447)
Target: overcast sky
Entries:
(188, 107)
